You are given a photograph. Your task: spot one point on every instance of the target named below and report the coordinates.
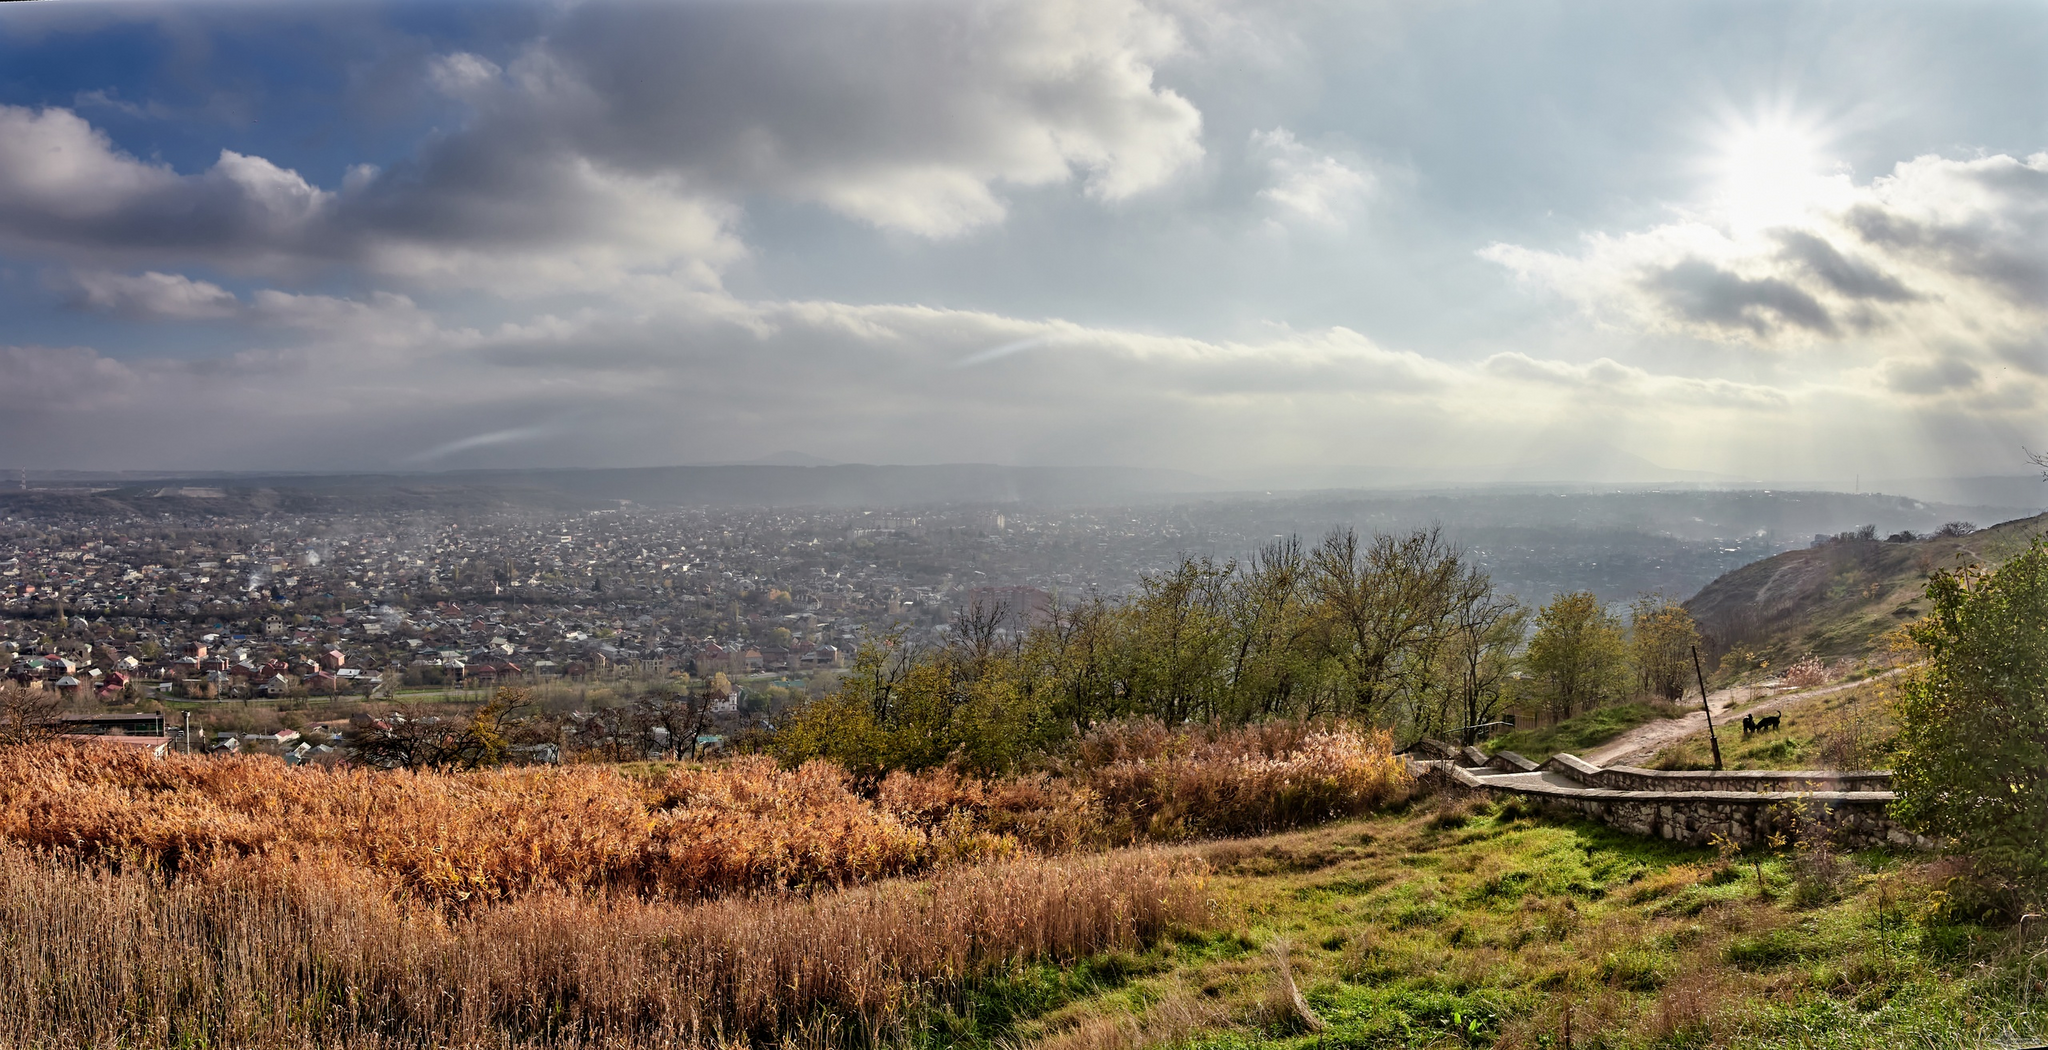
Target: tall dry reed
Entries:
(1144, 782)
(463, 838)
(460, 836)
(270, 956)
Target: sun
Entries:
(1771, 168)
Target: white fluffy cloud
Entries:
(630, 137)
(1937, 271)
(151, 296)
(1309, 185)
(909, 119)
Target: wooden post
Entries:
(1712, 739)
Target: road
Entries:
(1642, 743)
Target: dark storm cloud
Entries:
(1849, 278)
(1704, 293)
(2005, 254)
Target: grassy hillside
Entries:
(1846, 729)
(1480, 925)
(1838, 600)
(192, 904)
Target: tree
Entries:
(423, 740)
(29, 715)
(1661, 637)
(1578, 654)
(1486, 635)
(1973, 759)
(679, 716)
(1381, 602)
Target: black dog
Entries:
(1758, 725)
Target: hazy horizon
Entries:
(1322, 245)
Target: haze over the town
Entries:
(1335, 243)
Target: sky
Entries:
(1780, 242)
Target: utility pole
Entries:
(1708, 708)
(188, 732)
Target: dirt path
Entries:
(1642, 743)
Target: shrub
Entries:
(1973, 722)
(1809, 672)
(1141, 781)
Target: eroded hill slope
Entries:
(1839, 599)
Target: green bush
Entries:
(1973, 721)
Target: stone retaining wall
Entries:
(1630, 778)
(1695, 807)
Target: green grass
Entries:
(1849, 729)
(1483, 925)
(1582, 733)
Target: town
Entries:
(196, 605)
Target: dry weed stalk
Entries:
(1287, 1006)
(276, 958)
(465, 837)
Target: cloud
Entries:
(1841, 274)
(630, 137)
(906, 118)
(373, 383)
(1928, 378)
(1938, 250)
(1308, 185)
(488, 439)
(1704, 294)
(151, 296)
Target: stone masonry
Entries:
(1690, 806)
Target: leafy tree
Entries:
(1661, 637)
(1973, 765)
(1578, 654)
(1381, 602)
(899, 708)
(1399, 630)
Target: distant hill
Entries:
(780, 484)
(1840, 599)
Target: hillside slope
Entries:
(1839, 599)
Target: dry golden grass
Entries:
(283, 956)
(240, 902)
(459, 837)
(1143, 782)
(467, 837)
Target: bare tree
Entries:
(680, 716)
(419, 740)
(29, 715)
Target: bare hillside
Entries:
(1839, 599)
